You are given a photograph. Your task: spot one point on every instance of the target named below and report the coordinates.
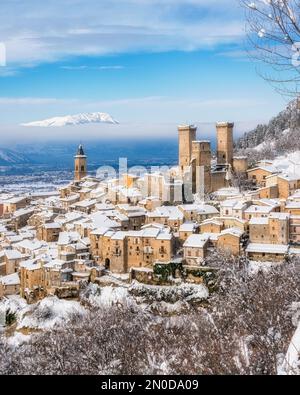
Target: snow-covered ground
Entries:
(290, 364)
(52, 312)
(48, 313)
(289, 164)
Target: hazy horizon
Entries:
(97, 132)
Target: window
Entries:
(82, 168)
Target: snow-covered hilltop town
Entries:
(163, 234)
(151, 227)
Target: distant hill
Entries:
(279, 136)
(60, 155)
(11, 158)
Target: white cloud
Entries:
(85, 67)
(34, 101)
(36, 32)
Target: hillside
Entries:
(280, 135)
(10, 158)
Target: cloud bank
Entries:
(35, 32)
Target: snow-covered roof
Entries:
(86, 203)
(196, 241)
(294, 251)
(280, 216)
(66, 238)
(259, 221)
(13, 254)
(52, 225)
(70, 198)
(23, 211)
(15, 200)
(199, 208)
(212, 221)
(293, 206)
(269, 169)
(55, 264)
(100, 231)
(119, 236)
(258, 209)
(30, 264)
(171, 212)
(188, 227)
(268, 248)
(31, 245)
(100, 220)
(233, 232)
(10, 279)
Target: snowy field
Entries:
(34, 183)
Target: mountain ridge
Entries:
(77, 119)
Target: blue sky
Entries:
(150, 64)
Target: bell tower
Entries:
(80, 164)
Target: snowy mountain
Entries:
(9, 157)
(78, 119)
(279, 137)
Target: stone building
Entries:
(14, 204)
(195, 249)
(259, 175)
(119, 251)
(267, 252)
(49, 232)
(230, 241)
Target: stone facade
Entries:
(225, 143)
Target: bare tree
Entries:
(273, 30)
(243, 329)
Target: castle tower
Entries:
(186, 134)
(225, 143)
(201, 158)
(80, 164)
